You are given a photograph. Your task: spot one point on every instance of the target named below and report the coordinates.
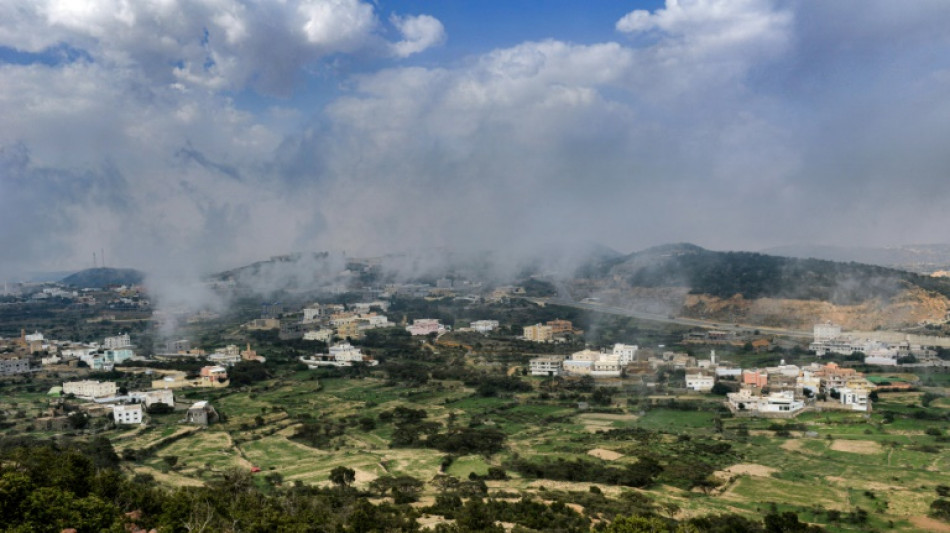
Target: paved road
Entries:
(692, 322)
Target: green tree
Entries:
(342, 476)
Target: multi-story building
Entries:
(626, 352)
(213, 373)
(349, 330)
(857, 399)
(343, 354)
(755, 378)
(593, 363)
(127, 414)
(272, 310)
(484, 326)
(826, 332)
(538, 333)
(16, 365)
(90, 389)
(365, 307)
(425, 326)
(560, 326)
(546, 366)
(177, 346)
(700, 381)
(118, 341)
(607, 366)
(262, 324)
(776, 403)
(325, 335)
(149, 398)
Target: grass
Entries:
(675, 420)
(809, 471)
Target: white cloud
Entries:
(698, 42)
(714, 124)
(419, 33)
(218, 44)
(339, 25)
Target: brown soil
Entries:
(925, 523)
(792, 445)
(749, 469)
(864, 447)
(606, 455)
(908, 308)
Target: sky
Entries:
(199, 135)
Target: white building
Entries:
(149, 398)
(855, 398)
(808, 381)
(586, 355)
(546, 366)
(485, 326)
(127, 414)
(373, 321)
(577, 368)
(826, 332)
(90, 389)
(626, 352)
(700, 381)
(226, 357)
(730, 371)
(343, 354)
(607, 366)
(325, 335)
(782, 402)
(118, 341)
(364, 307)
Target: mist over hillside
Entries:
(93, 278)
(920, 258)
(686, 280)
(754, 275)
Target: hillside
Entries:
(921, 258)
(103, 277)
(731, 286)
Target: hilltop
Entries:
(921, 258)
(737, 286)
(92, 278)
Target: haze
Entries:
(192, 136)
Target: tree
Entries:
(639, 524)
(720, 389)
(78, 420)
(342, 476)
(476, 516)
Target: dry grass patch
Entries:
(606, 455)
(908, 503)
(594, 422)
(169, 480)
(749, 469)
(432, 521)
(792, 445)
(364, 477)
(864, 447)
(925, 523)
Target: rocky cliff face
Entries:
(909, 308)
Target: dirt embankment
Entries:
(908, 308)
